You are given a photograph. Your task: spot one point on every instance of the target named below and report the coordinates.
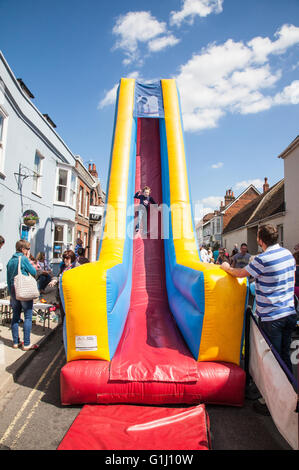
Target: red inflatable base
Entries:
(87, 381)
(125, 427)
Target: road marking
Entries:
(29, 416)
(19, 414)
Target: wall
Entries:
(231, 238)
(27, 132)
(291, 175)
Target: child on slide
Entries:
(145, 200)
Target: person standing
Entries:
(23, 252)
(204, 254)
(296, 256)
(240, 260)
(145, 199)
(274, 272)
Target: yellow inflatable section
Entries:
(224, 296)
(85, 288)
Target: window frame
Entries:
(64, 242)
(38, 190)
(3, 140)
(70, 171)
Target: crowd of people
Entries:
(40, 269)
(218, 255)
(275, 272)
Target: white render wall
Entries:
(27, 132)
(291, 175)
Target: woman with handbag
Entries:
(22, 288)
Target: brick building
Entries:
(210, 229)
(89, 195)
(269, 207)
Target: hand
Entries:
(52, 283)
(225, 266)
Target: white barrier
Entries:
(273, 384)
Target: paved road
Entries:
(33, 419)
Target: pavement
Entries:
(13, 361)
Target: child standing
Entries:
(145, 200)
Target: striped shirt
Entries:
(274, 272)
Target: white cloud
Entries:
(162, 42)
(289, 95)
(110, 95)
(217, 165)
(140, 27)
(234, 77)
(211, 202)
(241, 185)
(192, 8)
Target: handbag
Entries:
(25, 286)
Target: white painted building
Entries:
(37, 175)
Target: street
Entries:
(32, 417)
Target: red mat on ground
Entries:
(125, 427)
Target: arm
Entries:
(137, 195)
(152, 201)
(28, 266)
(233, 271)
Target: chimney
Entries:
(265, 186)
(229, 197)
(92, 170)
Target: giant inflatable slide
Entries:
(148, 322)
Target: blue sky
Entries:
(236, 64)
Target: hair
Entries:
(147, 188)
(244, 244)
(69, 254)
(22, 244)
(268, 234)
(296, 256)
(2, 241)
(79, 241)
(81, 251)
(40, 255)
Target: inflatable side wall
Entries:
(97, 295)
(207, 303)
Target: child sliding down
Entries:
(145, 200)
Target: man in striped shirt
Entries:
(274, 273)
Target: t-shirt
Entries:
(144, 200)
(273, 271)
(215, 255)
(204, 255)
(241, 260)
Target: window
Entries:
(37, 173)
(61, 195)
(218, 229)
(63, 239)
(280, 234)
(3, 127)
(73, 190)
(66, 187)
(86, 204)
(69, 236)
(58, 241)
(80, 207)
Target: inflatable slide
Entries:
(149, 322)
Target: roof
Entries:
(251, 186)
(289, 149)
(266, 205)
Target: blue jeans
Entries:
(17, 307)
(279, 333)
(142, 218)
